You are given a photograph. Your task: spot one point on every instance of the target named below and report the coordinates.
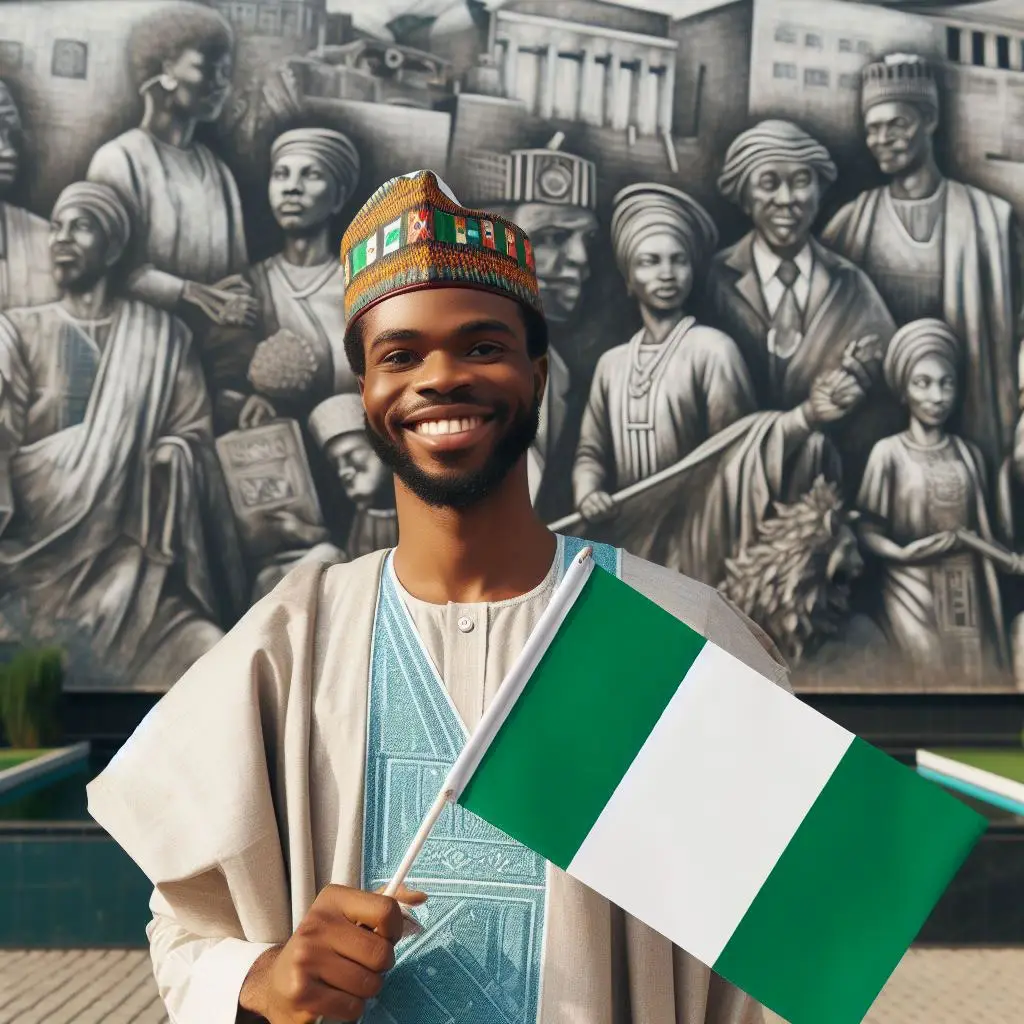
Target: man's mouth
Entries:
(461, 425)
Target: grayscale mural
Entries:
(777, 241)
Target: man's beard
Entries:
(455, 489)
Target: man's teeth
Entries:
(448, 426)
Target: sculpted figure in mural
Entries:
(25, 278)
(675, 382)
(188, 237)
(795, 309)
(936, 247)
(339, 428)
(299, 359)
(553, 198)
(119, 527)
(921, 490)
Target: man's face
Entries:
(560, 236)
(452, 396)
(661, 273)
(204, 82)
(782, 198)
(361, 472)
(10, 139)
(79, 249)
(302, 195)
(899, 136)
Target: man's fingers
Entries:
(410, 897)
(375, 912)
(349, 977)
(330, 1004)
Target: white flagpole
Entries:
(494, 717)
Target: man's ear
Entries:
(540, 375)
(361, 381)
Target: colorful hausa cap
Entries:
(413, 233)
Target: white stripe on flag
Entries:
(714, 796)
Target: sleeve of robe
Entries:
(595, 453)
(725, 381)
(111, 166)
(876, 487)
(222, 895)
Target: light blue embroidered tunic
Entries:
(478, 959)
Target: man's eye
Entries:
(399, 357)
(485, 348)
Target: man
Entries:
(552, 196)
(269, 799)
(795, 309)
(25, 278)
(936, 247)
(121, 536)
(299, 359)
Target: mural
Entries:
(777, 241)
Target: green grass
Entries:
(1009, 762)
(11, 757)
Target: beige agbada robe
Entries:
(241, 795)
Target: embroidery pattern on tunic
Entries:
(478, 960)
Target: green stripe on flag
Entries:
(358, 257)
(851, 890)
(520, 250)
(582, 718)
(499, 236)
(444, 226)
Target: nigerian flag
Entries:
(782, 851)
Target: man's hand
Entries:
(927, 548)
(296, 529)
(833, 395)
(597, 507)
(333, 963)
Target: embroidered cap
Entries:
(899, 76)
(413, 233)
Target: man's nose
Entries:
(783, 194)
(442, 373)
(574, 251)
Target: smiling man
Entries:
(795, 309)
(279, 783)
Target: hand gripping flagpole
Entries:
(494, 717)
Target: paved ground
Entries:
(940, 986)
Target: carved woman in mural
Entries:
(189, 241)
(675, 382)
(936, 247)
(940, 601)
(25, 278)
(120, 536)
(300, 359)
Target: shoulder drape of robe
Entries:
(219, 794)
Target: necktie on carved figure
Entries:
(787, 330)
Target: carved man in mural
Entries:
(120, 530)
(676, 382)
(795, 309)
(299, 359)
(936, 247)
(25, 278)
(188, 237)
(553, 198)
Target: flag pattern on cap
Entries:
(411, 234)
